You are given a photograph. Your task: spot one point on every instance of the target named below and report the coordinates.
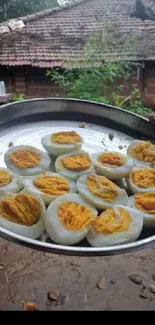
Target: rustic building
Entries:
(54, 37)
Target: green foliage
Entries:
(90, 83)
(17, 98)
(133, 103)
(97, 79)
(18, 8)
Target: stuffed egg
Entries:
(23, 213)
(142, 152)
(50, 186)
(145, 204)
(74, 164)
(113, 165)
(26, 160)
(100, 191)
(68, 219)
(141, 179)
(9, 181)
(60, 143)
(115, 226)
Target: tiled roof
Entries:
(54, 37)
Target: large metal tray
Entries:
(27, 121)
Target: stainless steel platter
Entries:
(27, 121)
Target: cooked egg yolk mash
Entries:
(74, 217)
(145, 202)
(25, 158)
(52, 185)
(23, 209)
(65, 137)
(76, 162)
(102, 187)
(111, 159)
(144, 151)
(143, 177)
(5, 178)
(109, 221)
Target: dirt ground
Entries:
(27, 276)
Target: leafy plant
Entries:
(97, 79)
(17, 98)
(133, 103)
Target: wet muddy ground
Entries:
(54, 282)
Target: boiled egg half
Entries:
(68, 219)
(144, 203)
(142, 152)
(111, 164)
(100, 191)
(26, 160)
(23, 213)
(74, 165)
(50, 186)
(60, 143)
(9, 181)
(141, 179)
(115, 226)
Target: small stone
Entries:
(53, 295)
(1, 267)
(143, 295)
(153, 276)
(83, 124)
(29, 306)
(135, 278)
(151, 257)
(10, 144)
(151, 299)
(113, 281)
(120, 147)
(111, 136)
(152, 288)
(144, 287)
(101, 283)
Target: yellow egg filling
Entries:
(111, 159)
(23, 209)
(112, 220)
(74, 217)
(144, 178)
(25, 158)
(144, 151)
(65, 137)
(5, 178)
(52, 185)
(76, 162)
(145, 202)
(102, 187)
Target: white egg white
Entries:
(135, 160)
(43, 165)
(48, 198)
(55, 229)
(137, 189)
(57, 149)
(148, 219)
(16, 183)
(118, 237)
(113, 173)
(72, 174)
(98, 202)
(34, 231)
